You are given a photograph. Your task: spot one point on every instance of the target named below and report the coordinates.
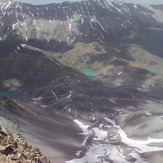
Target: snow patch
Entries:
(101, 145)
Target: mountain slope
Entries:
(59, 28)
(86, 71)
(83, 21)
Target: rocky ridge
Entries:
(14, 149)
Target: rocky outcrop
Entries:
(14, 149)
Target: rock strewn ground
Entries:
(14, 149)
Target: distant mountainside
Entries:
(86, 21)
(113, 28)
(94, 66)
